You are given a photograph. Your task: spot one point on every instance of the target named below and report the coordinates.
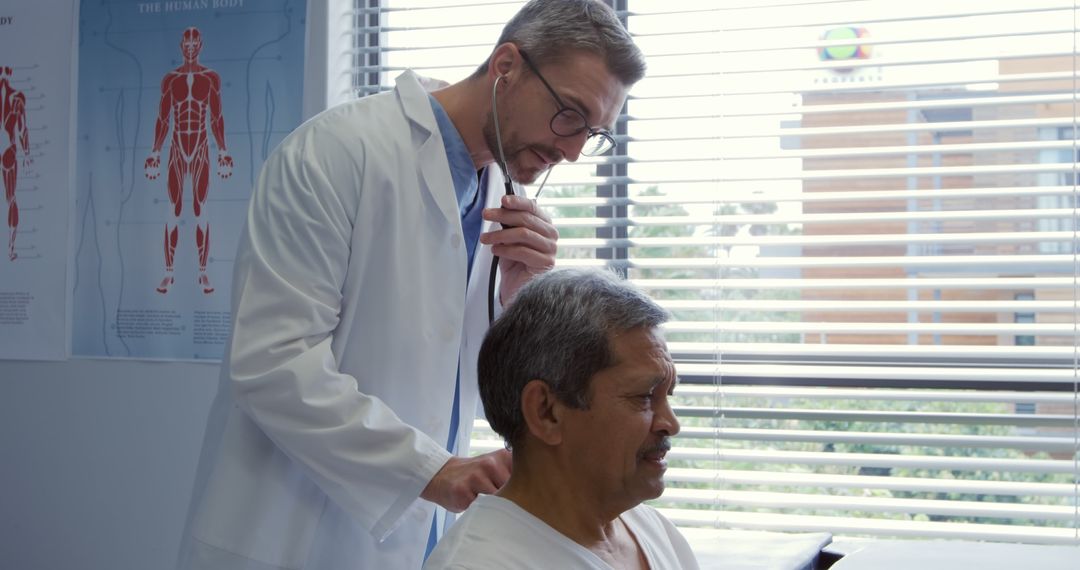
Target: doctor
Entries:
(360, 300)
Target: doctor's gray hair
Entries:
(550, 30)
(559, 330)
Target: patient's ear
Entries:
(542, 412)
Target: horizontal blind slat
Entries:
(865, 482)
(1028, 443)
(874, 527)
(846, 504)
(976, 377)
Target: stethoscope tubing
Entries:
(508, 184)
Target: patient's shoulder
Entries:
(496, 534)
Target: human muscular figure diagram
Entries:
(190, 94)
(13, 117)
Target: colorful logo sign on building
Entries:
(844, 52)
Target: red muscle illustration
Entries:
(13, 117)
(190, 94)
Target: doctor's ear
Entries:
(503, 60)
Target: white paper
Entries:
(36, 75)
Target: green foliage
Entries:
(913, 428)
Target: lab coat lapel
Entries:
(433, 168)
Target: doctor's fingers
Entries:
(502, 462)
(522, 237)
(522, 204)
(535, 218)
(534, 261)
(491, 471)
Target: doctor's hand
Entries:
(458, 483)
(526, 245)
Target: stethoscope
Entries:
(508, 184)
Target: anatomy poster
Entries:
(36, 160)
(180, 102)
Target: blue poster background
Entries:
(125, 50)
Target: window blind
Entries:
(862, 215)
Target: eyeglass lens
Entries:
(568, 123)
(597, 144)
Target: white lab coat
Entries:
(350, 311)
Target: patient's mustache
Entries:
(663, 447)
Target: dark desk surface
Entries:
(934, 555)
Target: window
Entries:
(862, 215)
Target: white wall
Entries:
(97, 460)
(97, 457)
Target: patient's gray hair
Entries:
(550, 30)
(559, 330)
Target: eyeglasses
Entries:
(569, 122)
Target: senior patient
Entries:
(575, 376)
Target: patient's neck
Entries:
(553, 492)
